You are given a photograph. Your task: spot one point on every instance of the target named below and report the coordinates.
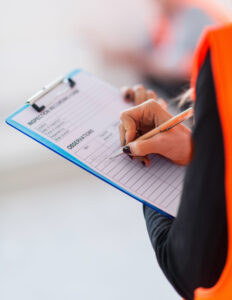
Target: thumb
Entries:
(142, 148)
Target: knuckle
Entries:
(152, 103)
(122, 115)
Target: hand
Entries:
(138, 94)
(174, 144)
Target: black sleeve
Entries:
(191, 249)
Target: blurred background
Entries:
(63, 233)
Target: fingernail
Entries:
(143, 163)
(126, 149)
(128, 96)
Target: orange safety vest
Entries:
(219, 42)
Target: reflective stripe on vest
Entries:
(219, 42)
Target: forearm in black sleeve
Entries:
(188, 246)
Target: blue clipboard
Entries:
(43, 141)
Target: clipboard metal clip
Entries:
(46, 89)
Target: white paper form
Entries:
(84, 123)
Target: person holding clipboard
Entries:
(193, 250)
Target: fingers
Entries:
(128, 94)
(145, 161)
(140, 94)
(127, 128)
(141, 117)
(151, 95)
(122, 133)
(142, 148)
(131, 120)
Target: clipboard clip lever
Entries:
(45, 90)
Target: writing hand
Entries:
(174, 144)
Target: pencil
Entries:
(188, 113)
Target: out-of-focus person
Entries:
(165, 60)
